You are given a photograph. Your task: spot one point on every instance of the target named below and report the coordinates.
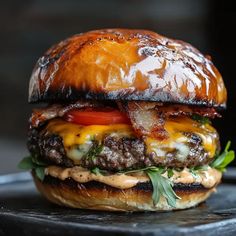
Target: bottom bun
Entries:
(97, 196)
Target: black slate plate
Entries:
(24, 212)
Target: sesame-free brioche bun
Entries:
(98, 196)
(126, 64)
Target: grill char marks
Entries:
(48, 147)
(92, 66)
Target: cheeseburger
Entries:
(127, 123)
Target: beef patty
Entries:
(117, 153)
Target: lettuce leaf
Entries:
(222, 160)
(33, 163)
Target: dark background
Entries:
(29, 27)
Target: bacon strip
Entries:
(145, 120)
(41, 115)
(176, 110)
(148, 118)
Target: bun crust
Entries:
(122, 64)
(98, 196)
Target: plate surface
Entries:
(24, 212)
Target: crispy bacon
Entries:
(148, 118)
(184, 110)
(145, 120)
(41, 115)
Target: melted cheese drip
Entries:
(175, 128)
(74, 135)
(208, 178)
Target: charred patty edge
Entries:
(118, 153)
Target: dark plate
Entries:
(24, 212)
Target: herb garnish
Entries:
(193, 170)
(96, 171)
(94, 151)
(170, 172)
(222, 160)
(201, 119)
(138, 170)
(162, 186)
(33, 163)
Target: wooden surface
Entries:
(24, 212)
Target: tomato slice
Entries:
(94, 117)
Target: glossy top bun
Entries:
(124, 64)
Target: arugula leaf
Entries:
(179, 169)
(195, 169)
(40, 172)
(222, 160)
(170, 173)
(26, 163)
(37, 161)
(201, 119)
(168, 191)
(153, 175)
(32, 163)
(95, 150)
(162, 187)
(96, 171)
(142, 169)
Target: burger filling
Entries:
(115, 147)
(124, 143)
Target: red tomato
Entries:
(94, 117)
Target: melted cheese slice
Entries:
(176, 127)
(74, 135)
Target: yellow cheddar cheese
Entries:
(74, 135)
(176, 127)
